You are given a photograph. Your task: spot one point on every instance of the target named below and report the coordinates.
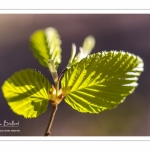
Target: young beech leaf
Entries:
(102, 81)
(45, 45)
(84, 51)
(88, 45)
(26, 93)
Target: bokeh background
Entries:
(128, 32)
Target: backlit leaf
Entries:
(88, 45)
(26, 93)
(102, 80)
(45, 45)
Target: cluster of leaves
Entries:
(90, 82)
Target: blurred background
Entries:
(112, 32)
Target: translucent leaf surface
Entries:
(45, 45)
(26, 93)
(102, 81)
(84, 51)
(88, 45)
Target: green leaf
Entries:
(88, 45)
(84, 51)
(26, 93)
(45, 45)
(102, 80)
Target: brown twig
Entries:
(54, 109)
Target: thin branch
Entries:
(61, 74)
(54, 109)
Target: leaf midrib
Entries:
(90, 85)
